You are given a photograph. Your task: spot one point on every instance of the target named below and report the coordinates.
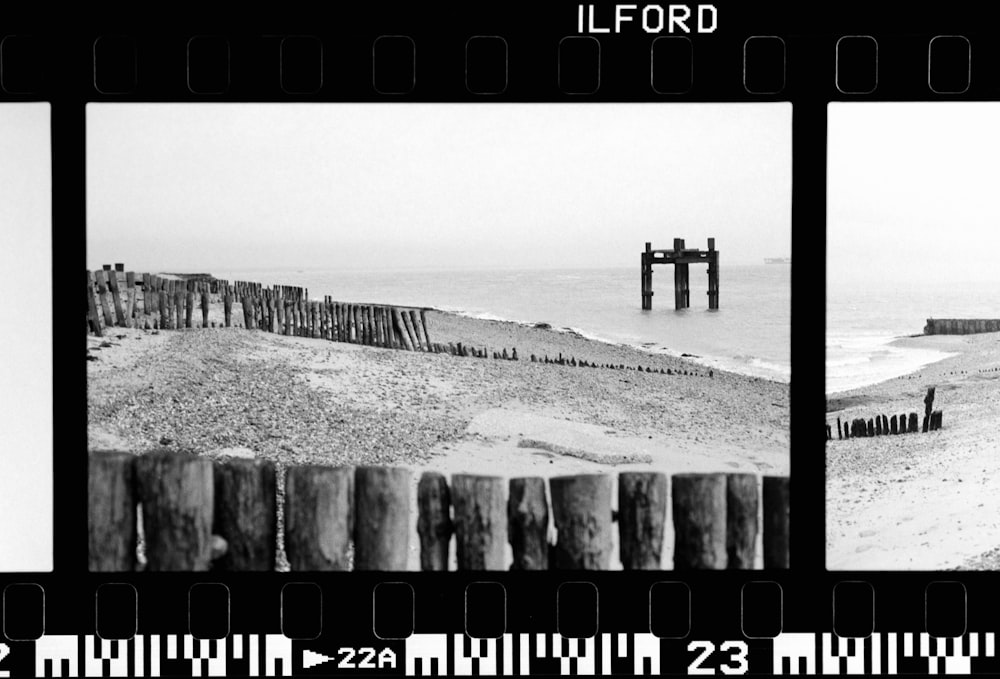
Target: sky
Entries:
(184, 187)
(26, 365)
(912, 194)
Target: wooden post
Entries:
(246, 512)
(741, 520)
(228, 308)
(928, 407)
(699, 512)
(878, 425)
(681, 284)
(177, 495)
(165, 309)
(179, 305)
(418, 343)
(913, 427)
(204, 308)
(92, 318)
(318, 517)
(147, 294)
(423, 325)
(117, 298)
(776, 505)
(713, 275)
(528, 523)
(404, 335)
(581, 509)
(480, 521)
(111, 511)
(892, 425)
(102, 294)
(646, 284)
(839, 436)
(130, 300)
(382, 518)
(642, 513)
(410, 331)
(433, 522)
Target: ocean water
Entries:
(863, 317)
(749, 333)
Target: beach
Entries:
(920, 501)
(231, 391)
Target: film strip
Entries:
(805, 601)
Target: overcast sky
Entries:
(195, 186)
(913, 193)
(26, 364)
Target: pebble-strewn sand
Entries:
(921, 501)
(297, 400)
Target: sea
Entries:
(863, 318)
(748, 334)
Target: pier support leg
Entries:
(681, 287)
(646, 268)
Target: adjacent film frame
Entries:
(903, 608)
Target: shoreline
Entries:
(924, 501)
(297, 400)
(720, 363)
(907, 342)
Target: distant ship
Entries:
(777, 260)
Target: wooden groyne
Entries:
(199, 514)
(119, 298)
(961, 326)
(881, 425)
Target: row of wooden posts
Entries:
(198, 514)
(881, 425)
(166, 303)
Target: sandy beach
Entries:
(296, 400)
(920, 501)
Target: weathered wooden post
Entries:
(699, 511)
(839, 436)
(913, 426)
(130, 300)
(111, 511)
(528, 524)
(92, 319)
(423, 325)
(642, 513)
(776, 492)
(680, 278)
(433, 522)
(204, 308)
(117, 298)
(102, 295)
(381, 518)
(246, 513)
(646, 270)
(414, 326)
(480, 521)
(892, 425)
(177, 495)
(318, 515)
(581, 508)
(404, 333)
(871, 427)
(179, 305)
(741, 520)
(713, 275)
(878, 425)
(189, 309)
(928, 407)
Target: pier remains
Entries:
(681, 257)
